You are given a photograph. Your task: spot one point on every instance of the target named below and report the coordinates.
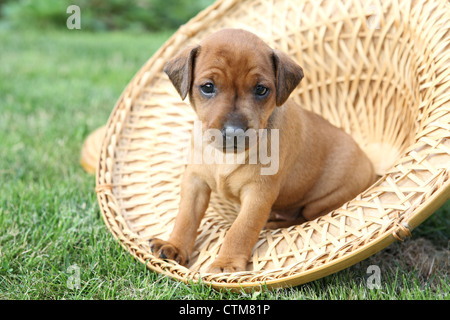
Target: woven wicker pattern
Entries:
(90, 150)
(380, 71)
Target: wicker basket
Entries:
(380, 71)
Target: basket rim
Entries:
(428, 203)
(426, 209)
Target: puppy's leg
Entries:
(283, 218)
(243, 234)
(194, 201)
(327, 203)
(284, 223)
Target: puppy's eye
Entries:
(261, 91)
(208, 89)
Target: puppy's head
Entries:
(234, 80)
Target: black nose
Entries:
(233, 134)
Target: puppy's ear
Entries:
(180, 70)
(288, 75)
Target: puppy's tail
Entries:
(383, 156)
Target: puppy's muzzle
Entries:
(234, 135)
(234, 138)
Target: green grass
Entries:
(56, 88)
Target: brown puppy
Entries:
(237, 83)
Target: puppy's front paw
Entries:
(221, 265)
(166, 250)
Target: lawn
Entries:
(55, 88)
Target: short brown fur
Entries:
(320, 166)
